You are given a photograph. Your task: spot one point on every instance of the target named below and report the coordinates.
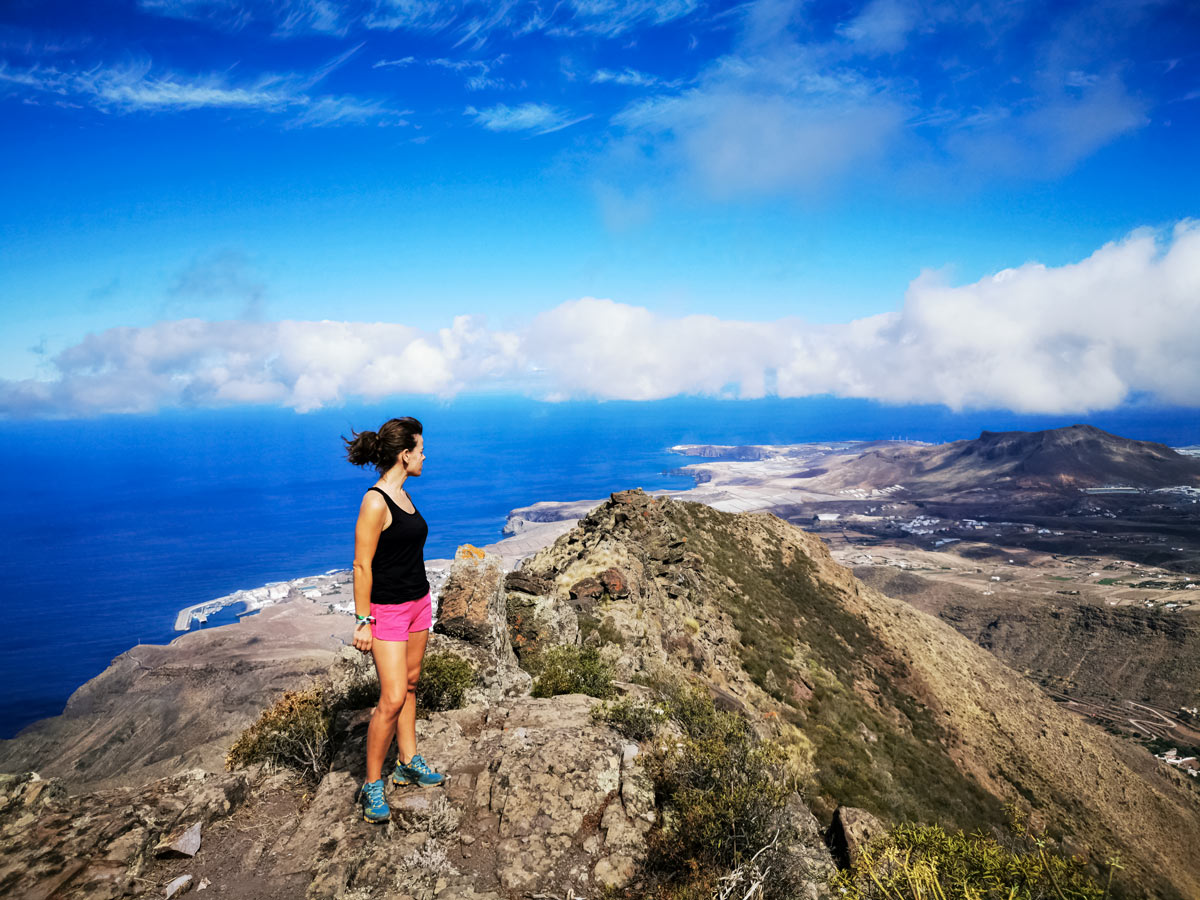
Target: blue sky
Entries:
(303, 203)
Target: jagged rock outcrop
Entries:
(536, 616)
(539, 798)
(851, 830)
(471, 624)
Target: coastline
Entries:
(744, 478)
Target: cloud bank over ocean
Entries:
(1034, 339)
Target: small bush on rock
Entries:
(914, 862)
(637, 720)
(293, 733)
(573, 670)
(722, 795)
(297, 731)
(444, 682)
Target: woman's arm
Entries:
(371, 516)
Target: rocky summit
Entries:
(886, 715)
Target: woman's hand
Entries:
(362, 637)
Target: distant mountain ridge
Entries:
(1058, 459)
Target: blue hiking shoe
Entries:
(416, 772)
(375, 808)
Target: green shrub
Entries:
(444, 682)
(926, 862)
(637, 720)
(723, 798)
(722, 795)
(297, 731)
(573, 670)
(294, 733)
(691, 708)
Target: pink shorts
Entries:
(395, 621)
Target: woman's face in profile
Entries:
(416, 456)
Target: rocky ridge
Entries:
(1096, 651)
(884, 707)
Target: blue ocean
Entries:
(111, 525)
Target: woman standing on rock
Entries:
(391, 603)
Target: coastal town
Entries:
(332, 587)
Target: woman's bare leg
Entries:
(406, 728)
(391, 664)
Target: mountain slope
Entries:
(884, 707)
(1093, 650)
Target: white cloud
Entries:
(1051, 136)
(536, 117)
(287, 17)
(899, 92)
(612, 350)
(882, 26)
(631, 78)
(137, 87)
(475, 21)
(477, 72)
(134, 88)
(1037, 339)
(303, 365)
(335, 110)
(221, 276)
(422, 15)
(231, 15)
(762, 125)
(1078, 337)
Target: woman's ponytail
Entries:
(363, 448)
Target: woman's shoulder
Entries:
(373, 498)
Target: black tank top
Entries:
(398, 568)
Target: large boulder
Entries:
(472, 624)
(537, 617)
(851, 830)
(538, 798)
